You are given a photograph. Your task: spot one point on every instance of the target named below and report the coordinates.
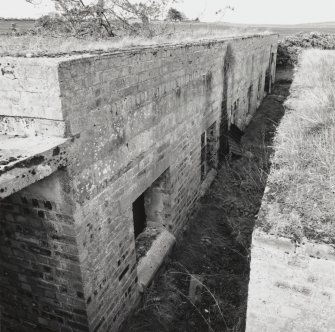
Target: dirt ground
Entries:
(214, 251)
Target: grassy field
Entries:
(282, 30)
(47, 46)
(289, 30)
(21, 25)
(289, 48)
(300, 199)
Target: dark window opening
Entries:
(203, 155)
(211, 146)
(250, 97)
(268, 75)
(152, 213)
(259, 89)
(208, 150)
(271, 83)
(235, 109)
(157, 201)
(267, 81)
(235, 136)
(139, 216)
(272, 58)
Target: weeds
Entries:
(36, 45)
(290, 48)
(301, 185)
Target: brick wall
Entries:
(133, 116)
(154, 104)
(40, 284)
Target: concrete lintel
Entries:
(152, 261)
(208, 181)
(25, 160)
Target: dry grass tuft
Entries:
(35, 45)
(302, 181)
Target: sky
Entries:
(245, 11)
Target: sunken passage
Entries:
(103, 157)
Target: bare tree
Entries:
(110, 15)
(222, 12)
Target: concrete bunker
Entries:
(109, 129)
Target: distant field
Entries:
(282, 30)
(288, 31)
(21, 25)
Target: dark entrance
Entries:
(208, 150)
(139, 216)
(267, 81)
(268, 75)
(250, 96)
(227, 70)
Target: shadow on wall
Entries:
(227, 69)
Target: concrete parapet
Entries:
(24, 161)
(292, 287)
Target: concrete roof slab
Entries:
(25, 160)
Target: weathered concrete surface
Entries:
(29, 94)
(24, 161)
(152, 261)
(131, 117)
(30, 87)
(292, 288)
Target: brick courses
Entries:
(132, 116)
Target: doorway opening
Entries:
(250, 98)
(268, 75)
(209, 148)
(152, 213)
(139, 216)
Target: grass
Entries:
(21, 25)
(291, 47)
(282, 30)
(42, 46)
(301, 187)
